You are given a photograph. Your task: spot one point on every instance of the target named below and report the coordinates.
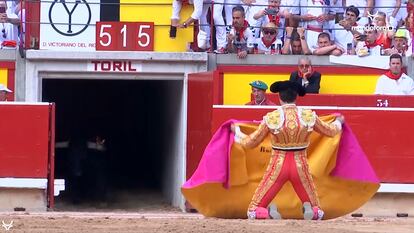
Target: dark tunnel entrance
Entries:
(109, 135)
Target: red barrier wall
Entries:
(381, 123)
(385, 136)
(24, 140)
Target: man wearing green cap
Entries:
(259, 94)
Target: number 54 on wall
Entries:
(125, 36)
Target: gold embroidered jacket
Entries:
(290, 127)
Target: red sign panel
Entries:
(125, 36)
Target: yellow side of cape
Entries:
(337, 196)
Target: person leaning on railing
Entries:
(326, 47)
(295, 42)
(240, 40)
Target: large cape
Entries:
(227, 175)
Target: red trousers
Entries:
(283, 167)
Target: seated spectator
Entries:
(268, 43)
(3, 92)
(8, 30)
(401, 44)
(364, 7)
(251, 7)
(395, 82)
(372, 44)
(259, 94)
(271, 13)
(306, 76)
(219, 22)
(325, 46)
(240, 40)
(314, 16)
(344, 31)
(384, 27)
(295, 42)
(390, 9)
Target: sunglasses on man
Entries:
(271, 32)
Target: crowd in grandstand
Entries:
(11, 13)
(319, 27)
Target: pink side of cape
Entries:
(351, 164)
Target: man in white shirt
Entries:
(8, 30)
(218, 7)
(240, 40)
(395, 82)
(343, 33)
(268, 43)
(325, 47)
(271, 13)
(364, 6)
(314, 16)
(389, 7)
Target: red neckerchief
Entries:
(241, 31)
(274, 19)
(377, 42)
(393, 76)
(300, 74)
(185, 2)
(268, 44)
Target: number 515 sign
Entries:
(125, 36)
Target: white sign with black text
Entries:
(69, 25)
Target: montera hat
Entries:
(283, 86)
(4, 88)
(259, 85)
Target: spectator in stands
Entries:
(240, 40)
(390, 9)
(271, 13)
(251, 7)
(395, 82)
(218, 7)
(402, 13)
(7, 18)
(200, 11)
(344, 31)
(314, 16)
(259, 94)
(3, 92)
(339, 10)
(364, 6)
(268, 43)
(295, 42)
(325, 46)
(306, 76)
(373, 43)
(293, 8)
(386, 28)
(401, 44)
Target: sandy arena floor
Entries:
(174, 221)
